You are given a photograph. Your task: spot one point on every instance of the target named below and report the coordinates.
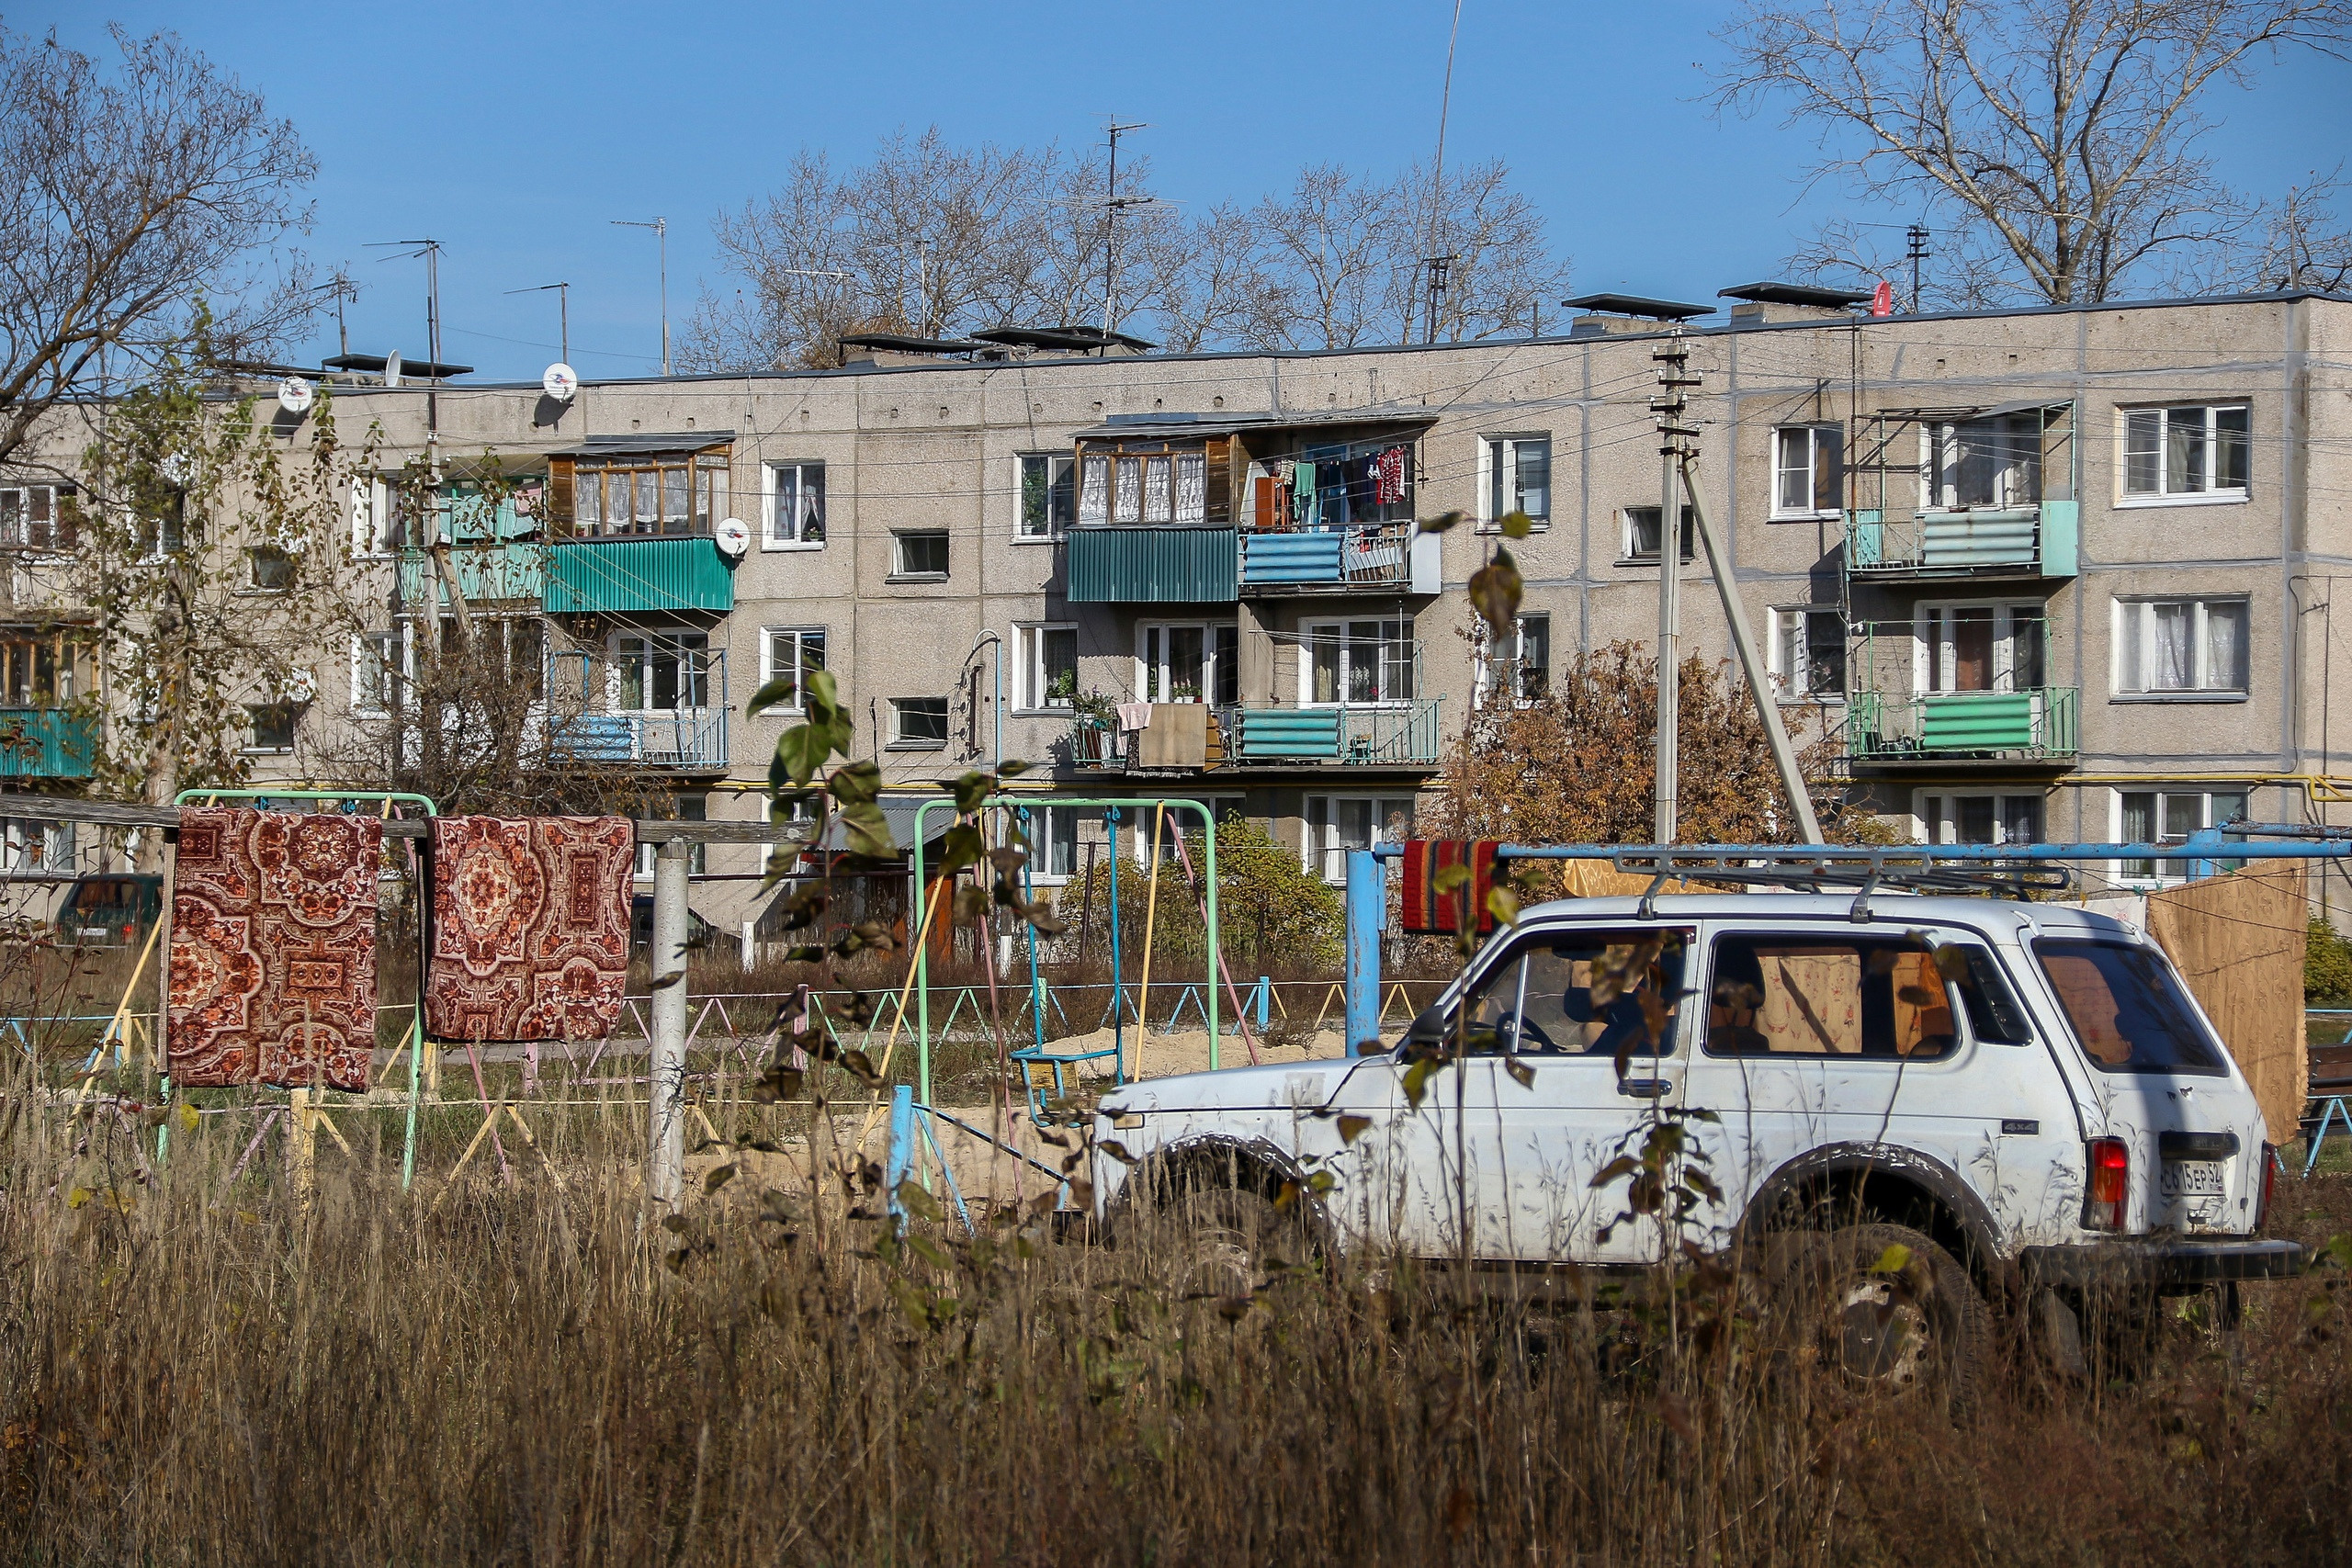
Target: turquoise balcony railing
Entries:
(2012, 541)
(46, 743)
(2030, 726)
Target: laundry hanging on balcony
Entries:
(531, 927)
(1388, 483)
(273, 955)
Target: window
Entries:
(1519, 477)
(268, 569)
(1994, 462)
(33, 517)
(1541, 999)
(1187, 663)
(678, 809)
(796, 505)
(379, 668)
(2187, 647)
(647, 494)
(272, 725)
(2127, 1008)
(29, 844)
(1980, 648)
(1053, 843)
(1641, 534)
(793, 653)
(36, 671)
(1863, 995)
(2180, 454)
(919, 723)
(1351, 662)
(1981, 818)
(1809, 653)
(2165, 817)
(1525, 670)
(1808, 470)
(1045, 668)
(662, 671)
(506, 648)
(1337, 823)
(919, 553)
(376, 520)
(1049, 495)
(1142, 487)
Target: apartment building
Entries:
(2054, 573)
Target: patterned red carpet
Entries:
(531, 927)
(273, 958)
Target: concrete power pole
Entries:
(1671, 407)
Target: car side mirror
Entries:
(1430, 1027)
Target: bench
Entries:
(2330, 1086)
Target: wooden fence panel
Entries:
(2238, 941)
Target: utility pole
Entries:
(1669, 405)
(1441, 269)
(1917, 236)
(563, 308)
(660, 227)
(340, 287)
(1112, 205)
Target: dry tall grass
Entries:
(202, 1371)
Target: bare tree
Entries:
(2053, 144)
(130, 201)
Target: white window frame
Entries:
(1055, 528)
(1483, 661)
(2134, 617)
(371, 518)
(1784, 685)
(1936, 821)
(361, 658)
(1630, 554)
(1940, 454)
(898, 537)
(1044, 816)
(772, 538)
(31, 845)
(658, 641)
(1322, 849)
(1154, 674)
(2162, 873)
(900, 741)
(1503, 449)
(797, 640)
(1030, 681)
(1935, 660)
(253, 746)
(1312, 634)
(1817, 435)
(2211, 494)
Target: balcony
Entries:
(486, 574)
(2032, 728)
(46, 743)
(1388, 558)
(1273, 736)
(2037, 541)
(692, 739)
(1180, 565)
(638, 576)
(644, 702)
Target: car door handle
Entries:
(1645, 1088)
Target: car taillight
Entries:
(2108, 1191)
(2269, 1180)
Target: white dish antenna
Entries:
(560, 381)
(295, 396)
(733, 537)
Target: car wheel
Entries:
(1228, 1236)
(1884, 1310)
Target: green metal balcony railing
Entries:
(46, 743)
(633, 576)
(2039, 540)
(1253, 735)
(485, 573)
(2029, 726)
(1154, 566)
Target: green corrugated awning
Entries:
(628, 576)
(1154, 566)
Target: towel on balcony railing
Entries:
(273, 959)
(1429, 912)
(531, 927)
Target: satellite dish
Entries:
(392, 368)
(560, 381)
(294, 395)
(733, 537)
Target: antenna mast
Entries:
(1112, 205)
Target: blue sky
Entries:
(514, 132)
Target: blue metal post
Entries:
(1118, 982)
(1367, 901)
(902, 1161)
(1029, 891)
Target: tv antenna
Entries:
(1114, 204)
(563, 313)
(660, 227)
(431, 251)
(341, 288)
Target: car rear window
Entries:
(2127, 1008)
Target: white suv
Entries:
(2023, 1096)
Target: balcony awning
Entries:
(1971, 411)
(1199, 426)
(647, 444)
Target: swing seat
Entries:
(1041, 1070)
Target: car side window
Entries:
(1774, 995)
(1583, 993)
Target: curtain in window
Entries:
(1094, 491)
(1127, 500)
(2225, 647)
(1191, 488)
(2142, 450)
(2173, 654)
(1155, 489)
(2185, 451)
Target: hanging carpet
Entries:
(531, 927)
(272, 954)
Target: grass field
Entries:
(201, 1370)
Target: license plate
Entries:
(2190, 1178)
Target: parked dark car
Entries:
(114, 909)
(700, 932)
